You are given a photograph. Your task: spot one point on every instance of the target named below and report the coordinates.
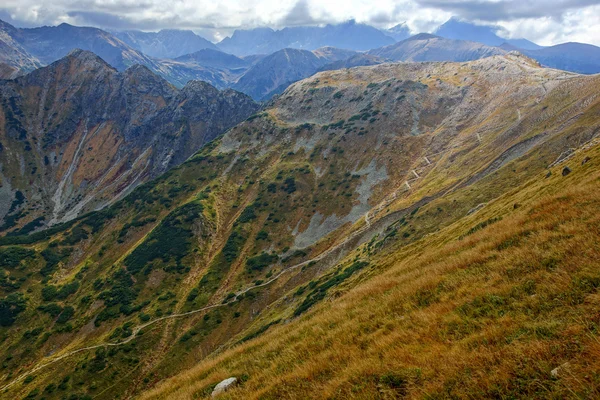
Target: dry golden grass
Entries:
(488, 316)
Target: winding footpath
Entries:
(138, 328)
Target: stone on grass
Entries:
(223, 386)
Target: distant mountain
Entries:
(50, 43)
(456, 29)
(349, 35)
(214, 58)
(398, 32)
(13, 55)
(8, 71)
(358, 60)
(27, 49)
(575, 57)
(167, 43)
(274, 73)
(331, 54)
(78, 134)
(426, 47)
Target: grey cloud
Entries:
(507, 10)
(300, 15)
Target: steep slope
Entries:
(454, 28)
(348, 35)
(261, 227)
(77, 135)
(8, 71)
(426, 47)
(501, 304)
(14, 55)
(167, 43)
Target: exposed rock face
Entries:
(77, 135)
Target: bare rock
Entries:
(560, 370)
(566, 171)
(224, 386)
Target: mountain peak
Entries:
(85, 58)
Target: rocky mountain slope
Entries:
(382, 178)
(13, 55)
(167, 43)
(78, 135)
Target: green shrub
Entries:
(169, 241)
(11, 257)
(66, 315)
(257, 263)
(10, 307)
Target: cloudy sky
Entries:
(543, 21)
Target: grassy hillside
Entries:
(488, 307)
(363, 178)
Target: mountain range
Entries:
(260, 68)
(167, 43)
(382, 231)
(349, 35)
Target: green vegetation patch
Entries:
(259, 262)
(319, 289)
(11, 257)
(170, 241)
(10, 307)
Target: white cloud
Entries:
(537, 20)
